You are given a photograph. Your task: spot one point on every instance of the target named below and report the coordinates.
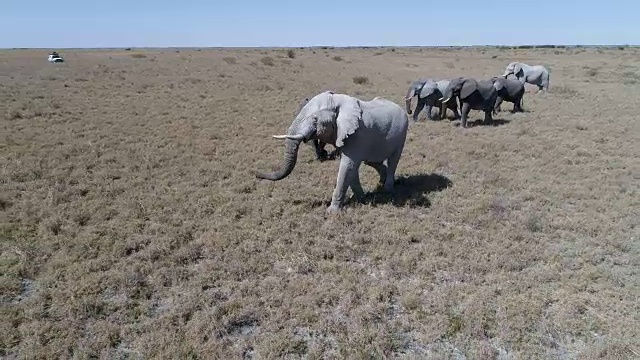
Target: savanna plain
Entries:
(133, 227)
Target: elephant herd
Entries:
(484, 95)
(374, 132)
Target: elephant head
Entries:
(498, 83)
(460, 87)
(513, 68)
(328, 117)
(423, 88)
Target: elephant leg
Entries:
(519, 104)
(392, 164)
(356, 186)
(318, 146)
(465, 113)
(380, 168)
(454, 107)
(419, 107)
(496, 108)
(346, 172)
(429, 113)
(488, 118)
(336, 153)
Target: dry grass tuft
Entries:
(564, 90)
(267, 60)
(132, 226)
(229, 60)
(139, 56)
(291, 54)
(591, 72)
(360, 80)
(337, 58)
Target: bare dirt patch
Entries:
(132, 225)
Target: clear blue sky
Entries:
(160, 23)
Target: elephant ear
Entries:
(428, 89)
(516, 68)
(468, 87)
(348, 119)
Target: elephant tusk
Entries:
(444, 101)
(280, 136)
(295, 137)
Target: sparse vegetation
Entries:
(337, 58)
(267, 60)
(360, 80)
(138, 56)
(291, 54)
(229, 60)
(565, 90)
(132, 226)
(591, 72)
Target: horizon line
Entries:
(524, 46)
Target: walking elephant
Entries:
(429, 93)
(510, 90)
(371, 131)
(473, 95)
(533, 74)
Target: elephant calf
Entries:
(473, 94)
(369, 132)
(429, 93)
(510, 90)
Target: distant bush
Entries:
(138, 56)
(337, 58)
(229, 60)
(360, 80)
(564, 89)
(592, 72)
(291, 54)
(267, 61)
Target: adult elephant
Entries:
(473, 95)
(510, 90)
(372, 132)
(533, 74)
(429, 93)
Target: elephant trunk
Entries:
(290, 158)
(408, 98)
(448, 93)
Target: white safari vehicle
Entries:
(54, 57)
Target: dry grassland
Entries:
(132, 226)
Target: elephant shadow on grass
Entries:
(480, 122)
(409, 191)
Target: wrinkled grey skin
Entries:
(429, 93)
(372, 132)
(318, 146)
(473, 95)
(511, 91)
(532, 74)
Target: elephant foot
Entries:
(322, 155)
(388, 187)
(333, 209)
